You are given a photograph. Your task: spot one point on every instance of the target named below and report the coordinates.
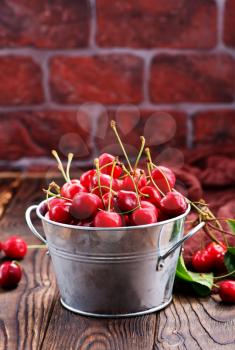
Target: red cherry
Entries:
(105, 159)
(10, 274)
(227, 291)
(127, 220)
(160, 180)
(126, 200)
(104, 181)
(173, 204)
(202, 261)
(217, 252)
(85, 205)
(71, 188)
(56, 201)
(15, 247)
(139, 178)
(148, 205)
(85, 178)
(106, 201)
(153, 195)
(162, 216)
(143, 216)
(87, 223)
(60, 213)
(108, 219)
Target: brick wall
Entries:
(67, 67)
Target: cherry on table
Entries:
(202, 261)
(85, 205)
(71, 188)
(108, 219)
(217, 253)
(10, 274)
(127, 200)
(227, 291)
(173, 204)
(15, 247)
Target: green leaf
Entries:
(229, 260)
(231, 223)
(201, 282)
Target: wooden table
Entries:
(31, 316)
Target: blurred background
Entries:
(162, 69)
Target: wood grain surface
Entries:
(31, 316)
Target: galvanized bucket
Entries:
(106, 272)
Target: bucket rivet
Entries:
(160, 265)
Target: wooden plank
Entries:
(196, 323)
(73, 332)
(26, 310)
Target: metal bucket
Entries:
(108, 272)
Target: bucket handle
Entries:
(162, 258)
(30, 224)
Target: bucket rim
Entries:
(122, 228)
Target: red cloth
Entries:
(211, 177)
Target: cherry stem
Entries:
(70, 158)
(142, 139)
(210, 234)
(224, 276)
(134, 184)
(148, 154)
(196, 207)
(106, 187)
(60, 165)
(129, 211)
(147, 151)
(35, 246)
(113, 126)
(111, 184)
(55, 195)
(218, 229)
(208, 214)
(106, 165)
(97, 165)
(150, 175)
(51, 185)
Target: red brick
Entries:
(20, 81)
(32, 134)
(214, 128)
(229, 15)
(151, 23)
(44, 23)
(192, 78)
(106, 79)
(160, 129)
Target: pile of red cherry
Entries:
(109, 197)
(211, 259)
(11, 271)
